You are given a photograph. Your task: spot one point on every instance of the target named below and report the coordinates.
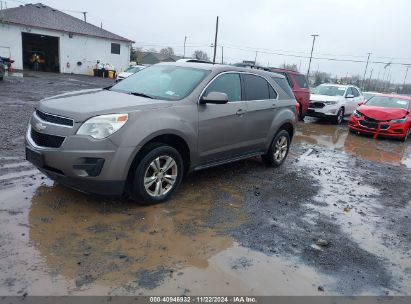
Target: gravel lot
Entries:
(334, 219)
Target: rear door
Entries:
(262, 104)
(222, 127)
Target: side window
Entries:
(302, 82)
(355, 92)
(115, 48)
(226, 83)
(273, 94)
(255, 87)
(282, 82)
(349, 92)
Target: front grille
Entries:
(46, 140)
(384, 127)
(369, 124)
(55, 119)
(316, 105)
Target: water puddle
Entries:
(338, 138)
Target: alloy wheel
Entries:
(160, 176)
(280, 148)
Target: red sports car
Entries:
(383, 115)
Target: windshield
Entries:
(162, 82)
(329, 90)
(388, 102)
(133, 69)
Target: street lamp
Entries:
(311, 56)
(185, 39)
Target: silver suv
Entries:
(142, 135)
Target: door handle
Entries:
(273, 106)
(240, 112)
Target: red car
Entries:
(299, 86)
(383, 115)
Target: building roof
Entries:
(44, 17)
(161, 57)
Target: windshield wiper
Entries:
(142, 95)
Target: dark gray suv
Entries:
(140, 136)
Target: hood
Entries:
(81, 105)
(125, 74)
(315, 97)
(382, 114)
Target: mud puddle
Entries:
(338, 138)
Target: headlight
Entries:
(399, 121)
(102, 126)
(330, 102)
(356, 114)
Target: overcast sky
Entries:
(346, 27)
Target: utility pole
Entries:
(311, 56)
(222, 55)
(85, 16)
(215, 40)
(365, 72)
(405, 78)
(185, 39)
(255, 59)
(369, 79)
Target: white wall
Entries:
(71, 50)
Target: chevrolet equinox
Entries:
(140, 136)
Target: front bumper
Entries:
(384, 129)
(325, 112)
(82, 163)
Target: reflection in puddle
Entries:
(338, 138)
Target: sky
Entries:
(347, 29)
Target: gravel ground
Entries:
(334, 219)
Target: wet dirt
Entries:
(239, 229)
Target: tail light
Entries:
(297, 110)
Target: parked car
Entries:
(368, 95)
(129, 71)
(143, 134)
(383, 115)
(334, 101)
(299, 86)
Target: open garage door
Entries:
(45, 47)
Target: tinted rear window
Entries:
(256, 88)
(283, 83)
(302, 82)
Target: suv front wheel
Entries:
(278, 151)
(157, 175)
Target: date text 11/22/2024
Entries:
(205, 299)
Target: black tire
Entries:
(137, 190)
(300, 113)
(270, 158)
(407, 135)
(337, 119)
(1, 78)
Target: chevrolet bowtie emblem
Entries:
(39, 126)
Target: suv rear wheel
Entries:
(157, 175)
(278, 151)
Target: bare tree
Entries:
(200, 55)
(168, 51)
(288, 66)
(136, 54)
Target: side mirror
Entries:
(349, 96)
(214, 97)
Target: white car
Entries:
(129, 71)
(334, 101)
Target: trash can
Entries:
(111, 74)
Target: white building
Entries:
(64, 43)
